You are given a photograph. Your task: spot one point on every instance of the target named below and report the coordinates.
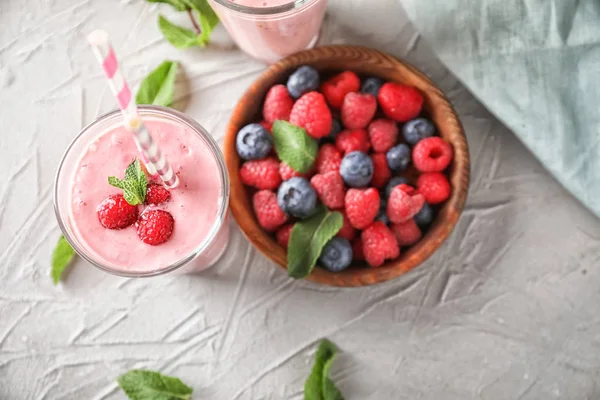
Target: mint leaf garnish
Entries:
(308, 238)
(61, 257)
(294, 146)
(179, 5)
(178, 36)
(319, 386)
(134, 185)
(207, 17)
(150, 385)
(159, 86)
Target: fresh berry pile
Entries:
(379, 163)
(154, 226)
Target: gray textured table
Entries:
(505, 310)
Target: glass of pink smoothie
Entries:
(272, 29)
(198, 205)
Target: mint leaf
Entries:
(330, 391)
(308, 238)
(178, 36)
(61, 257)
(150, 385)
(159, 86)
(294, 146)
(318, 386)
(135, 184)
(179, 5)
(207, 17)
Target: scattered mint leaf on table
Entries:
(134, 185)
(179, 5)
(308, 238)
(178, 36)
(61, 257)
(294, 146)
(159, 86)
(319, 386)
(150, 385)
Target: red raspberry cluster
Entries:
(386, 215)
(154, 226)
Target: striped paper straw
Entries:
(151, 155)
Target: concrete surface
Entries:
(505, 310)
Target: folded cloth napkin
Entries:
(535, 64)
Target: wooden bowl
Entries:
(365, 62)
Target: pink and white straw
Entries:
(151, 154)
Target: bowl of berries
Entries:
(348, 167)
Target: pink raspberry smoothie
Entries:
(271, 29)
(196, 204)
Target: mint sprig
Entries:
(294, 146)
(308, 238)
(198, 11)
(159, 86)
(150, 385)
(178, 36)
(134, 185)
(61, 258)
(319, 385)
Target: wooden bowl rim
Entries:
(447, 217)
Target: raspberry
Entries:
(283, 235)
(155, 226)
(267, 211)
(358, 110)
(353, 140)
(336, 88)
(407, 233)
(404, 203)
(362, 206)
(311, 113)
(267, 125)
(157, 194)
(383, 133)
(432, 154)
(116, 213)
(330, 189)
(381, 171)
(400, 102)
(287, 172)
(278, 104)
(357, 249)
(347, 231)
(328, 159)
(434, 186)
(379, 244)
(261, 174)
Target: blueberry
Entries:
(371, 86)
(395, 181)
(297, 197)
(425, 216)
(253, 142)
(417, 129)
(382, 214)
(398, 157)
(303, 80)
(356, 169)
(336, 255)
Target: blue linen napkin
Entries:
(535, 64)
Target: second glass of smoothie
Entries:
(269, 30)
(198, 205)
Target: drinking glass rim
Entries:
(280, 9)
(169, 113)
